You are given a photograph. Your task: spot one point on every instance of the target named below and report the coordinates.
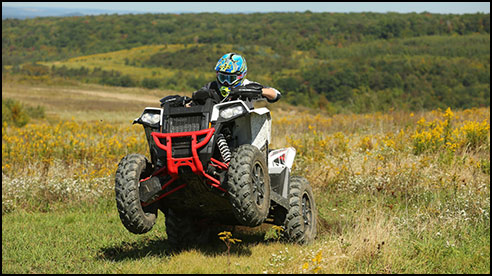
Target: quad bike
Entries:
(211, 165)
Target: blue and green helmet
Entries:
(231, 71)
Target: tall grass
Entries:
(400, 192)
(45, 163)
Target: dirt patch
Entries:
(62, 98)
(111, 95)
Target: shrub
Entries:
(14, 112)
(150, 83)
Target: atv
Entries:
(210, 165)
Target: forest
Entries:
(340, 62)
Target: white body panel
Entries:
(154, 110)
(255, 129)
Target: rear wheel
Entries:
(249, 185)
(300, 223)
(131, 169)
(180, 230)
(185, 231)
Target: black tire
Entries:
(184, 231)
(131, 169)
(249, 185)
(180, 230)
(300, 222)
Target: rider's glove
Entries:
(175, 101)
(252, 90)
(201, 95)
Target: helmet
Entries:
(231, 71)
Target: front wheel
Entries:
(249, 185)
(131, 169)
(300, 223)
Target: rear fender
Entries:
(282, 157)
(280, 163)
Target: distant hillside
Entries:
(33, 12)
(57, 38)
(357, 62)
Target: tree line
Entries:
(359, 62)
(55, 38)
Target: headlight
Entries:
(231, 112)
(151, 118)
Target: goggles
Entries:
(228, 79)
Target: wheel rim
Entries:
(258, 184)
(307, 212)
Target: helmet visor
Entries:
(228, 79)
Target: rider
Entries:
(231, 79)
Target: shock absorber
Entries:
(224, 148)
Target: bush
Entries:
(123, 81)
(14, 112)
(150, 83)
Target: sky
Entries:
(231, 7)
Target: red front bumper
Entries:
(193, 161)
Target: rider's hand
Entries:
(254, 85)
(201, 95)
(247, 91)
(175, 100)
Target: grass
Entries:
(88, 238)
(396, 192)
(83, 102)
(116, 61)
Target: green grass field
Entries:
(392, 196)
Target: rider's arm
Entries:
(271, 94)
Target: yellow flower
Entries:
(448, 114)
(317, 258)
